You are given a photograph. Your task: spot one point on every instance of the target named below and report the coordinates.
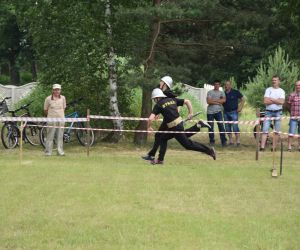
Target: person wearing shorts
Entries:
(274, 98)
(293, 106)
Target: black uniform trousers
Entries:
(183, 140)
(164, 127)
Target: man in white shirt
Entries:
(273, 99)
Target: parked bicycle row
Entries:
(34, 133)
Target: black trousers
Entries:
(164, 127)
(183, 140)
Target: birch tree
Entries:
(112, 74)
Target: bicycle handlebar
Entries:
(6, 98)
(25, 106)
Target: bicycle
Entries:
(81, 134)
(10, 132)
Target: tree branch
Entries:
(152, 45)
(189, 20)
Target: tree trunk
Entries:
(112, 72)
(33, 70)
(4, 69)
(14, 71)
(141, 137)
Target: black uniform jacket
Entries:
(168, 108)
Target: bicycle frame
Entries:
(72, 115)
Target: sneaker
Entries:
(213, 153)
(289, 150)
(203, 124)
(224, 144)
(261, 149)
(63, 154)
(148, 158)
(157, 162)
(274, 150)
(238, 144)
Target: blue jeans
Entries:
(231, 116)
(293, 125)
(218, 117)
(267, 123)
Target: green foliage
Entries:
(195, 103)
(38, 95)
(278, 64)
(26, 77)
(4, 79)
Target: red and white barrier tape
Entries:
(84, 119)
(41, 119)
(154, 131)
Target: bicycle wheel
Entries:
(82, 135)
(43, 138)
(9, 135)
(31, 134)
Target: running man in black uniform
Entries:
(165, 85)
(168, 107)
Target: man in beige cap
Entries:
(54, 107)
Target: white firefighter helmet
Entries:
(157, 93)
(168, 80)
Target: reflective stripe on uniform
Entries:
(174, 123)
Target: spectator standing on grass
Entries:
(54, 107)
(293, 106)
(215, 100)
(273, 99)
(232, 107)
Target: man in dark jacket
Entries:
(168, 108)
(166, 84)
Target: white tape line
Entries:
(228, 122)
(146, 131)
(41, 119)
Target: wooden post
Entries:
(274, 170)
(88, 131)
(257, 131)
(21, 142)
(281, 155)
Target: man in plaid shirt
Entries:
(293, 105)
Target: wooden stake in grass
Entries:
(21, 141)
(274, 170)
(281, 155)
(257, 131)
(88, 133)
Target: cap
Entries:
(56, 86)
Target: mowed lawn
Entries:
(115, 200)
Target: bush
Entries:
(278, 64)
(4, 79)
(38, 96)
(26, 77)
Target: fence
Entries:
(200, 93)
(16, 92)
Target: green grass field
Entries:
(115, 200)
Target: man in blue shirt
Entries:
(232, 107)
